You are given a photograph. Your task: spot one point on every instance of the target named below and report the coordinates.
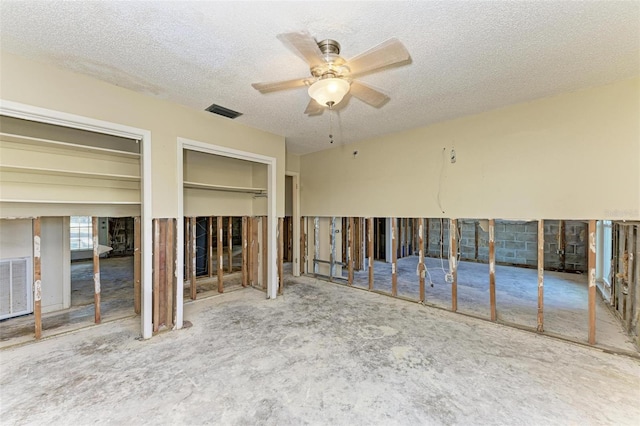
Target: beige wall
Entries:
(573, 156)
(45, 86)
(293, 163)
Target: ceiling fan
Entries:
(331, 76)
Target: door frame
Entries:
(223, 151)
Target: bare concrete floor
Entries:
(565, 297)
(321, 354)
(116, 302)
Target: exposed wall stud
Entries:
(303, 247)
(592, 282)
(416, 225)
(230, 243)
(350, 250)
(156, 275)
(137, 265)
(192, 259)
(96, 270)
(245, 275)
(453, 261)
(169, 273)
(280, 254)
(210, 256)
(394, 256)
(264, 250)
(370, 250)
(426, 237)
(632, 277)
(540, 326)
(421, 267)
(316, 244)
(220, 255)
(476, 230)
(492, 268)
(37, 278)
(253, 252)
(332, 255)
(562, 243)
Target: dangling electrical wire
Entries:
(440, 181)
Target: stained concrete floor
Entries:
(321, 354)
(565, 297)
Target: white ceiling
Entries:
(467, 57)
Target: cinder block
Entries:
(515, 245)
(505, 254)
(526, 237)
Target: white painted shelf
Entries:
(226, 188)
(70, 173)
(79, 202)
(10, 137)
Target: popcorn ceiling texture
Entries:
(466, 57)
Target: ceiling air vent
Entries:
(225, 112)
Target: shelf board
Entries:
(70, 173)
(10, 137)
(119, 203)
(226, 188)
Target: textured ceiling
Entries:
(467, 57)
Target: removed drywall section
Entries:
(511, 164)
(565, 246)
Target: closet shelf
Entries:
(226, 188)
(70, 173)
(10, 137)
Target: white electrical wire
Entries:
(440, 180)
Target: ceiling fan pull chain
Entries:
(331, 122)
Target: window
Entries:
(81, 238)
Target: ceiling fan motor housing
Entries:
(329, 46)
(335, 66)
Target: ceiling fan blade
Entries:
(314, 108)
(368, 95)
(303, 45)
(383, 55)
(279, 85)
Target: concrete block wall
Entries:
(516, 243)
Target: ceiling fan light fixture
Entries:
(329, 91)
